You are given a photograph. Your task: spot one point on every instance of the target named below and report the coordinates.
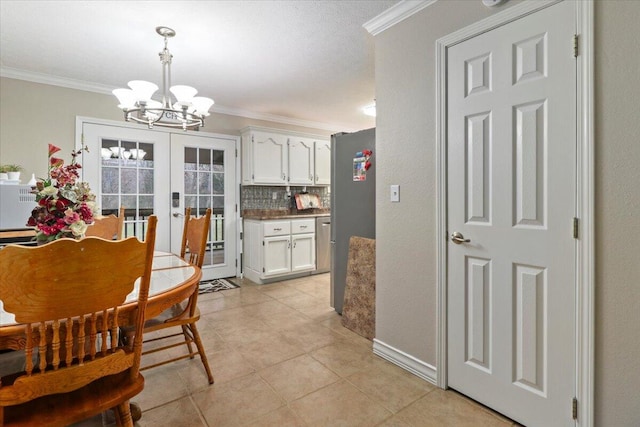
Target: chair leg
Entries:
(203, 356)
(187, 340)
(123, 415)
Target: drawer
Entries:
(276, 228)
(303, 226)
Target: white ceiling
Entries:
(308, 61)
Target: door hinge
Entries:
(236, 262)
(236, 152)
(252, 140)
(241, 235)
(575, 228)
(82, 138)
(236, 207)
(575, 45)
(263, 243)
(574, 408)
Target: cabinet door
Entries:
(252, 246)
(323, 163)
(277, 255)
(303, 252)
(301, 161)
(269, 159)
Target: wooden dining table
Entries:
(172, 281)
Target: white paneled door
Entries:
(511, 138)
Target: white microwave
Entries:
(16, 204)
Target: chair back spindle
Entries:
(67, 294)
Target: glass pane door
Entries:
(203, 176)
(129, 167)
(127, 181)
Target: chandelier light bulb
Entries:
(126, 98)
(202, 105)
(143, 90)
(183, 94)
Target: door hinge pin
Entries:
(575, 228)
(574, 408)
(575, 45)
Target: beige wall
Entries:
(33, 115)
(406, 155)
(405, 232)
(617, 179)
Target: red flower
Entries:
(56, 162)
(61, 204)
(53, 149)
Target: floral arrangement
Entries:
(65, 205)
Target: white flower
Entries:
(78, 228)
(93, 206)
(49, 191)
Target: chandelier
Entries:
(188, 112)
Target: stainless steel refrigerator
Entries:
(353, 201)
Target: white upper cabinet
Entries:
(278, 157)
(301, 161)
(323, 162)
(264, 158)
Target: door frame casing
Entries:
(585, 260)
(80, 120)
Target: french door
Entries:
(161, 173)
(511, 161)
(203, 176)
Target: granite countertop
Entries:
(262, 214)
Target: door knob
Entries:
(458, 238)
(177, 214)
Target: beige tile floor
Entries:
(281, 357)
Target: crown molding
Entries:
(395, 14)
(232, 111)
(48, 79)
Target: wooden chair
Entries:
(67, 295)
(185, 314)
(108, 227)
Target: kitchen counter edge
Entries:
(278, 215)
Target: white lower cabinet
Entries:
(278, 248)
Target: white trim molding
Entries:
(585, 304)
(405, 361)
(585, 253)
(395, 14)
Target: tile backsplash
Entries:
(261, 197)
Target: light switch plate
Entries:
(395, 193)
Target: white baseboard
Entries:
(405, 361)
